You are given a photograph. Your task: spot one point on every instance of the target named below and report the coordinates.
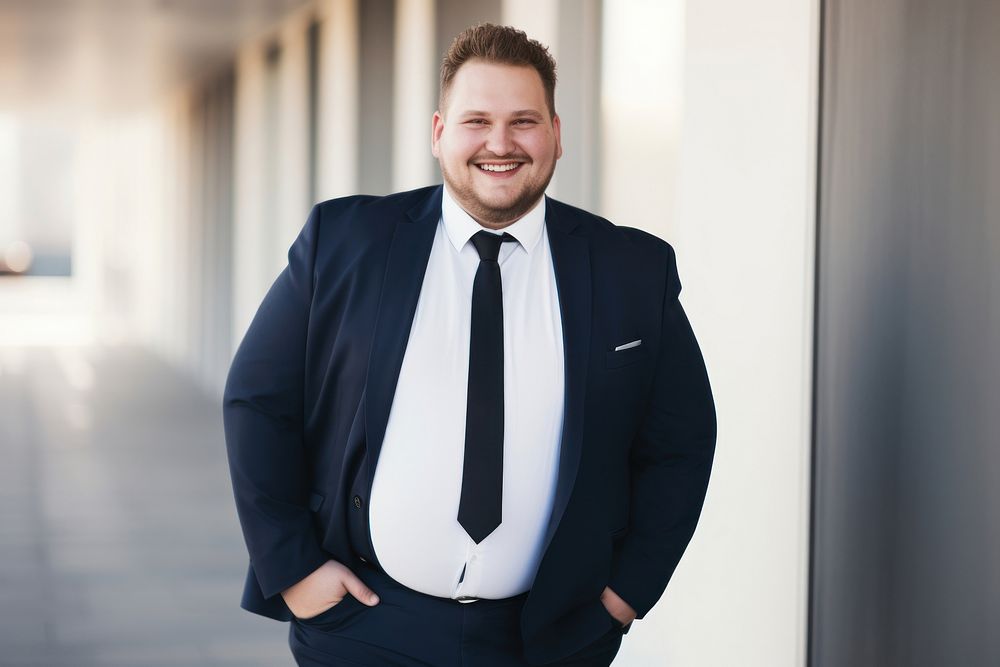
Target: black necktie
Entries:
(482, 473)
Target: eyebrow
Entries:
(521, 112)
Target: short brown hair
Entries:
(499, 44)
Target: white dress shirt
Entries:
(418, 480)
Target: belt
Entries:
(465, 599)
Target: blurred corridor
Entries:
(117, 541)
(826, 170)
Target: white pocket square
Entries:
(626, 346)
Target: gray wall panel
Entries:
(906, 545)
(377, 53)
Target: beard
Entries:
(488, 213)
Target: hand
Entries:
(330, 583)
(618, 608)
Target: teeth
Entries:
(499, 167)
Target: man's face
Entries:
(495, 141)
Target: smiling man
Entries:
(469, 424)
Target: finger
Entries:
(357, 588)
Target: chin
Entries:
(498, 209)
(496, 202)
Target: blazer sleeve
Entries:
(670, 460)
(263, 421)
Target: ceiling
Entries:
(114, 54)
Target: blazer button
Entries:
(357, 502)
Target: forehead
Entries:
(496, 88)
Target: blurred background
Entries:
(827, 170)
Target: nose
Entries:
(500, 140)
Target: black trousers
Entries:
(408, 628)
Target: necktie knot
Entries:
(488, 244)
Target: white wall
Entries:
(249, 278)
(292, 184)
(272, 190)
(743, 228)
(641, 107)
(414, 103)
(337, 153)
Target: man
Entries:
(469, 424)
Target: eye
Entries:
(476, 121)
(524, 121)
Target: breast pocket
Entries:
(629, 352)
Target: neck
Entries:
(493, 223)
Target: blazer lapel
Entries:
(571, 263)
(404, 274)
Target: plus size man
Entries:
(469, 424)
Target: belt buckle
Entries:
(467, 598)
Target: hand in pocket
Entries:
(325, 588)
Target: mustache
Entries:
(499, 158)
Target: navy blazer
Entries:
(309, 391)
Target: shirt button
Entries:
(357, 502)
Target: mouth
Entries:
(499, 169)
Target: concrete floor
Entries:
(119, 541)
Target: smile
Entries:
(498, 169)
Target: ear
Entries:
(437, 127)
(557, 129)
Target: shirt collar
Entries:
(461, 226)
